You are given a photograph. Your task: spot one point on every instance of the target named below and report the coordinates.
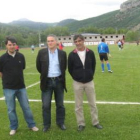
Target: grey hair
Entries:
(54, 36)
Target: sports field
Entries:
(118, 101)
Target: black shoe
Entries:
(98, 126)
(81, 128)
(62, 126)
(46, 128)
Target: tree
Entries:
(132, 36)
(58, 31)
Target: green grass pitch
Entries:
(120, 122)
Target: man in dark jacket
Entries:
(12, 64)
(51, 64)
(81, 66)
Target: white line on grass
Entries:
(3, 98)
(33, 85)
(31, 73)
(72, 102)
(98, 102)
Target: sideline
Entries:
(72, 102)
(85, 102)
(3, 98)
(31, 73)
(33, 85)
(97, 102)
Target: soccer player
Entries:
(61, 46)
(137, 42)
(81, 66)
(32, 48)
(103, 51)
(17, 48)
(120, 45)
(12, 64)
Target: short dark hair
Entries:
(11, 39)
(78, 36)
(103, 40)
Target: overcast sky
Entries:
(55, 10)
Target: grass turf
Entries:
(119, 121)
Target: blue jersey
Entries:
(103, 48)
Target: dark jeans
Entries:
(56, 87)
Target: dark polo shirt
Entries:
(12, 71)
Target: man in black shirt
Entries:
(12, 64)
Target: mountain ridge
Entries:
(126, 17)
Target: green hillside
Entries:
(128, 17)
(96, 21)
(116, 19)
(28, 32)
(32, 25)
(65, 22)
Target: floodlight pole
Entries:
(116, 30)
(39, 37)
(1, 44)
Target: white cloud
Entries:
(55, 10)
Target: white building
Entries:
(92, 39)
